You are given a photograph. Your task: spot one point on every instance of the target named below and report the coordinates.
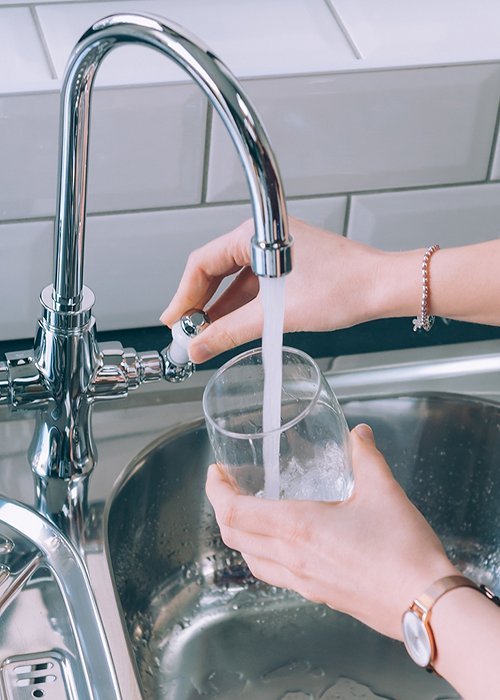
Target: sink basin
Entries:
(201, 627)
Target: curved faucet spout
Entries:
(68, 370)
(271, 252)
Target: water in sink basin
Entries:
(201, 627)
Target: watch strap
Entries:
(443, 585)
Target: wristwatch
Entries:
(417, 632)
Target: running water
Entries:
(273, 303)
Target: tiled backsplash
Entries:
(383, 116)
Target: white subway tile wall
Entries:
(429, 31)
(383, 116)
(254, 37)
(147, 147)
(26, 267)
(450, 216)
(28, 155)
(368, 130)
(22, 56)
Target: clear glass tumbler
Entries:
(307, 457)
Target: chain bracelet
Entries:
(424, 321)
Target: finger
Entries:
(206, 268)
(264, 546)
(364, 432)
(234, 510)
(270, 572)
(271, 550)
(228, 504)
(275, 574)
(238, 327)
(242, 290)
(368, 463)
(282, 520)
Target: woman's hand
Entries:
(369, 556)
(333, 284)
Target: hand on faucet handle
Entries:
(332, 285)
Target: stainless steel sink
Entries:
(201, 627)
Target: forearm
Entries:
(466, 628)
(464, 283)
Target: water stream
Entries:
(273, 303)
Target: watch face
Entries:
(416, 639)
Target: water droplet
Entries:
(182, 623)
(289, 669)
(317, 672)
(226, 682)
(6, 545)
(137, 633)
(53, 543)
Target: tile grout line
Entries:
(51, 3)
(494, 142)
(206, 152)
(343, 28)
(347, 215)
(253, 78)
(43, 41)
(349, 195)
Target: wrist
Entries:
(466, 628)
(452, 617)
(398, 283)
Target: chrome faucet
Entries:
(67, 371)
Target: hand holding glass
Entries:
(307, 457)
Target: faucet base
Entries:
(67, 316)
(64, 503)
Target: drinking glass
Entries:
(306, 457)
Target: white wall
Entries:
(383, 116)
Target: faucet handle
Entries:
(4, 383)
(123, 369)
(177, 365)
(193, 322)
(21, 383)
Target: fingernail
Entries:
(164, 316)
(214, 469)
(200, 353)
(364, 432)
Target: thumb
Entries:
(368, 463)
(364, 433)
(238, 327)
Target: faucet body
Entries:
(68, 370)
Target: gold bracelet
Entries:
(425, 322)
